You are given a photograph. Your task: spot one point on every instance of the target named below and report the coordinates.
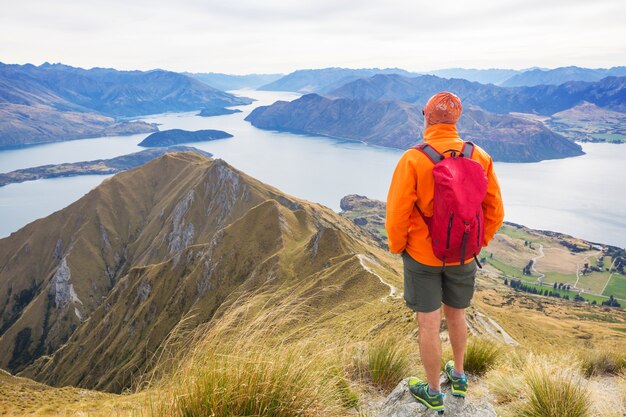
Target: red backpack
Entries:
(457, 224)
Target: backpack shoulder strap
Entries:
(430, 152)
(468, 149)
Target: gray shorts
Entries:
(425, 287)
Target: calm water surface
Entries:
(582, 196)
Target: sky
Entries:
(280, 36)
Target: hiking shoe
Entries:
(419, 390)
(459, 385)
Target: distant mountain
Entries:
(399, 125)
(227, 82)
(561, 75)
(609, 92)
(483, 76)
(177, 136)
(58, 102)
(90, 292)
(122, 93)
(326, 79)
(96, 167)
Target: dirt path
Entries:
(393, 291)
(541, 255)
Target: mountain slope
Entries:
(610, 92)
(324, 80)
(399, 125)
(178, 237)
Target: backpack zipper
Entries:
(464, 242)
(449, 230)
(478, 235)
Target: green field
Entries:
(559, 277)
(593, 281)
(599, 299)
(617, 287)
(516, 233)
(509, 270)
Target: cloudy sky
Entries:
(244, 36)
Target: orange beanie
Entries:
(444, 108)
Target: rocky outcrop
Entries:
(400, 403)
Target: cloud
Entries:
(282, 35)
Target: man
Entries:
(428, 280)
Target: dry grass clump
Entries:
(602, 361)
(240, 365)
(382, 363)
(388, 362)
(553, 391)
(481, 355)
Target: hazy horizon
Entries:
(88, 67)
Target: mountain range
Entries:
(398, 124)
(54, 102)
(326, 79)
(561, 75)
(609, 92)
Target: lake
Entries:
(582, 196)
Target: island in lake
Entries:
(217, 111)
(97, 167)
(178, 136)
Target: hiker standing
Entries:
(443, 206)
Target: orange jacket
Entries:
(413, 183)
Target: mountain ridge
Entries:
(98, 300)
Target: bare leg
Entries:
(457, 329)
(430, 345)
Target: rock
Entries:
(400, 403)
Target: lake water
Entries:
(583, 196)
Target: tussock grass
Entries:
(241, 365)
(382, 363)
(481, 356)
(602, 361)
(554, 391)
(388, 362)
(505, 385)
